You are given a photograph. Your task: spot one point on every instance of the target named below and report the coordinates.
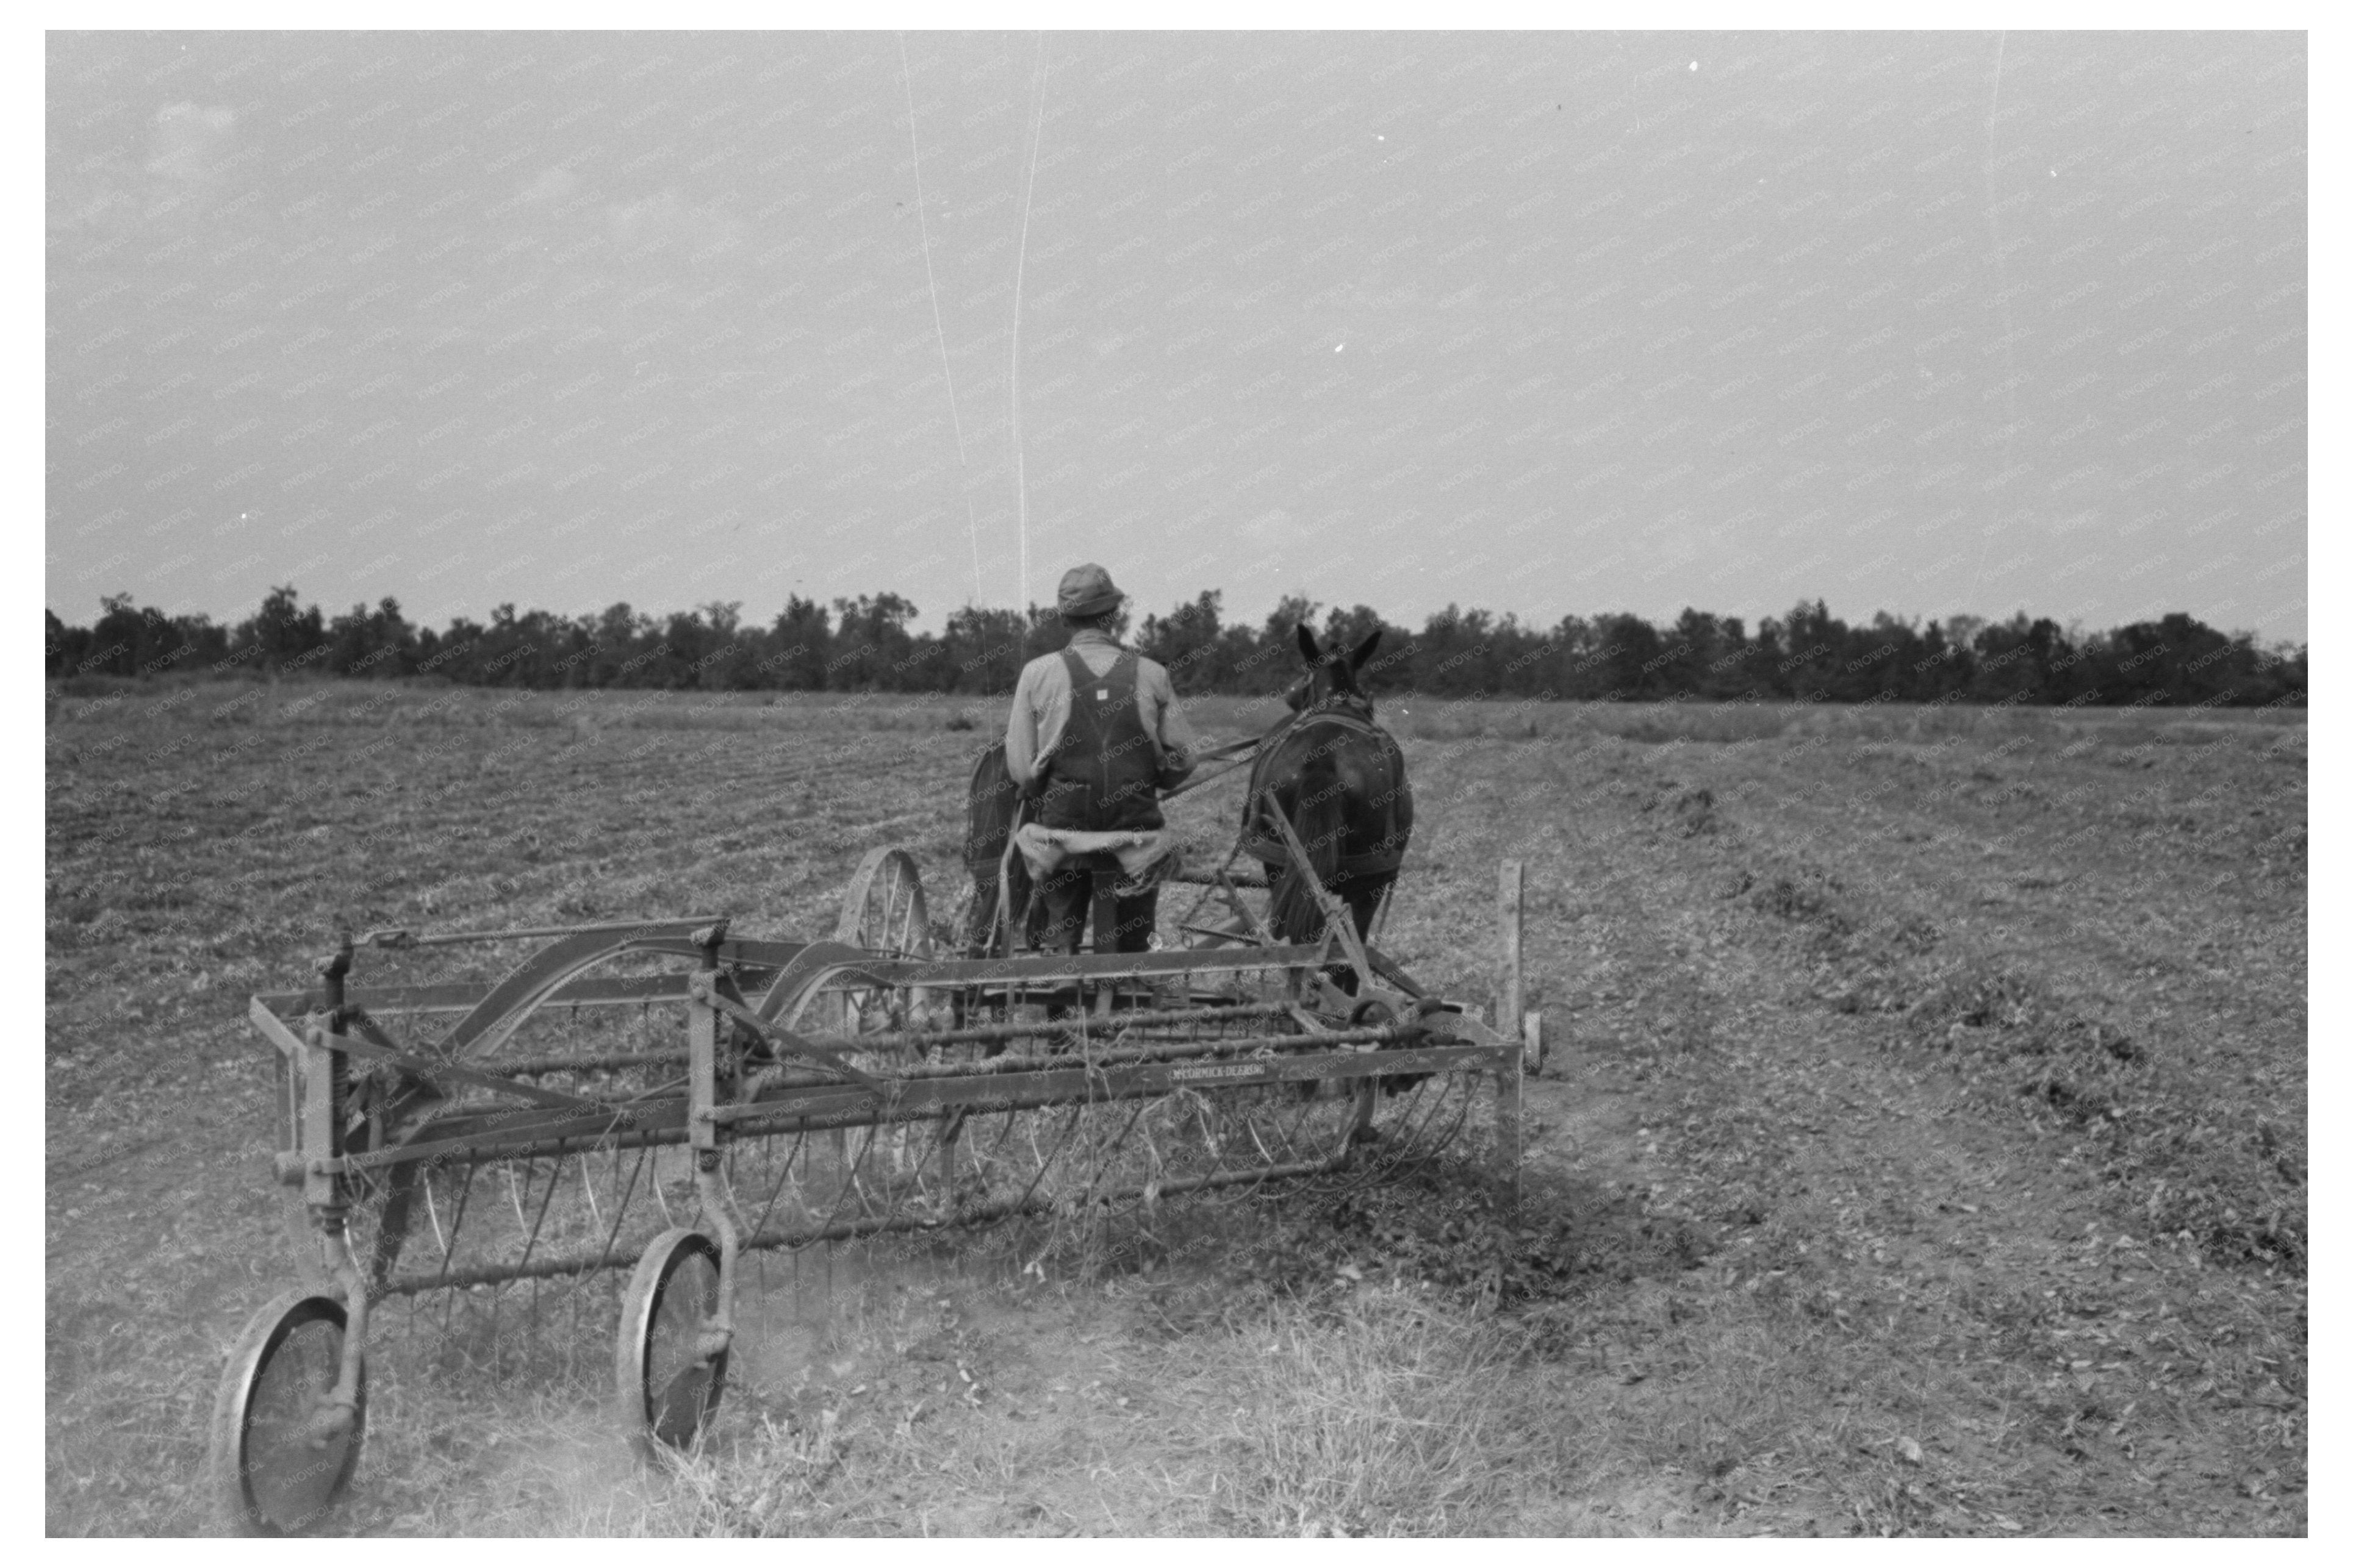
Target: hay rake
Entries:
(669, 1098)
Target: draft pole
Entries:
(1511, 898)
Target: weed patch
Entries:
(2220, 1176)
(1440, 1230)
(1382, 1416)
(1806, 896)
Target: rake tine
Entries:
(532, 1241)
(777, 1190)
(434, 1214)
(841, 1193)
(1044, 1161)
(458, 1220)
(857, 1169)
(621, 1208)
(1425, 1151)
(1102, 1165)
(661, 1201)
(588, 1190)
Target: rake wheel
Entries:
(667, 1378)
(882, 912)
(276, 1468)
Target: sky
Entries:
(1545, 323)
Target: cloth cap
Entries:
(1087, 591)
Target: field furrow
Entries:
(1922, 1150)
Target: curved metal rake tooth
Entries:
(659, 1200)
(992, 1160)
(783, 1175)
(554, 1171)
(433, 1213)
(1102, 1162)
(1427, 1148)
(1253, 1125)
(1208, 1133)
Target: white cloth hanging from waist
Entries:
(1146, 855)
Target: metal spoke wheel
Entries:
(281, 1456)
(669, 1384)
(883, 911)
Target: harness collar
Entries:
(1341, 714)
(1339, 707)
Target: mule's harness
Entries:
(1265, 844)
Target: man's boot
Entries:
(1137, 916)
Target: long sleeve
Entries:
(1021, 729)
(1042, 707)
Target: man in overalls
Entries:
(1095, 734)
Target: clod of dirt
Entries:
(1695, 812)
(1804, 896)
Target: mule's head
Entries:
(1331, 677)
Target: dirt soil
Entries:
(1922, 1149)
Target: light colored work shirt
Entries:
(1042, 707)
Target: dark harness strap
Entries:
(1261, 842)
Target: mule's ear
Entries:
(1307, 649)
(1363, 650)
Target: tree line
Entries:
(864, 645)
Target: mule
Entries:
(1339, 778)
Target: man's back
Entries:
(1041, 709)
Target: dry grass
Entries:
(1385, 1417)
(1382, 1410)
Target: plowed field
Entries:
(1923, 1148)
